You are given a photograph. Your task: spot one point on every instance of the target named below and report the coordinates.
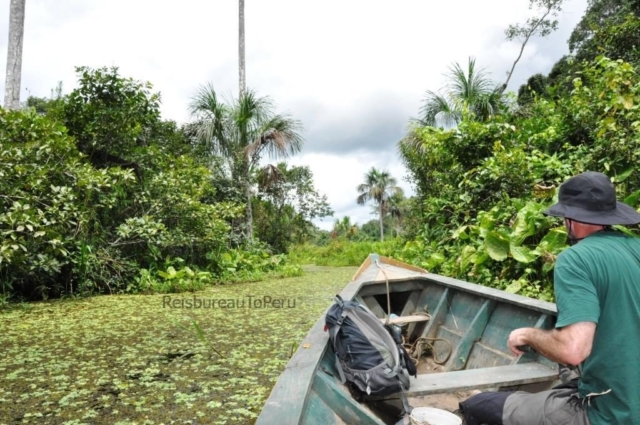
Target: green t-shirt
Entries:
(598, 280)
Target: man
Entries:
(597, 288)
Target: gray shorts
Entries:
(553, 407)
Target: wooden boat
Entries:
(471, 324)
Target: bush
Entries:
(341, 252)
(250, 264)
(68, 227)
(50, 201)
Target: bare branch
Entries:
(541, 26)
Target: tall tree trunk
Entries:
(14, 54)
(247, 188)
(243, 80)
(381, 225)
(249, 212)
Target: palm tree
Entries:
(241, 132)
(395, 207)
(241, 65)
(471, 89)
(378, 186)
(344, 227)
(393, 210)
(14, 54)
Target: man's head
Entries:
(588, 204)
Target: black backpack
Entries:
(369, 354)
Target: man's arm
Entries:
(569, 345)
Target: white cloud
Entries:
(338, 177)
(353, 70)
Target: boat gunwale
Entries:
(476, 289)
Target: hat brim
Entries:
(623, 214)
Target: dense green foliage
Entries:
(342, 252)
(99, 195)
(69, 227)
(483, 186)
(609, 28)
(109, 115)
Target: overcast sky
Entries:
(352, 71)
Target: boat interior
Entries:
(456, 332)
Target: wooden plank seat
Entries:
(474, 379)
(407, 319)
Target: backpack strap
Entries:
(404, 379)
(400, 373)
(333, 333)
(365, 308)
(343, 378)
(405, 404)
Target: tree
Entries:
(289, 204)
(471, 90)
(614, 33)
(14, 54)
(48, 106)
(536, 85)
(609, 28)
(395, 208)
(378, 186)
(111, 116)
(601, 13)
(541, 26)
(241, 132)
(241, 67)
(344, 228)
(371, 229)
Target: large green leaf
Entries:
(486, 222)
(467, 257)
(632, 199)
(523, 254)
(554, 241)
(481, 257)
(461, 233)
(434, 260)
(525, 225)
(625, 174)
(497, 245)
(514, 287)
(626, 231)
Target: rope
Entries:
(388, 292)
(417, 348)
(422, 340)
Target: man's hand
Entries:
(568, 345)
(518, 338)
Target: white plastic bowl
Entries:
(433, 416)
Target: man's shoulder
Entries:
(569, 255)
(599, 244)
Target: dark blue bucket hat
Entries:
(591, 198)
